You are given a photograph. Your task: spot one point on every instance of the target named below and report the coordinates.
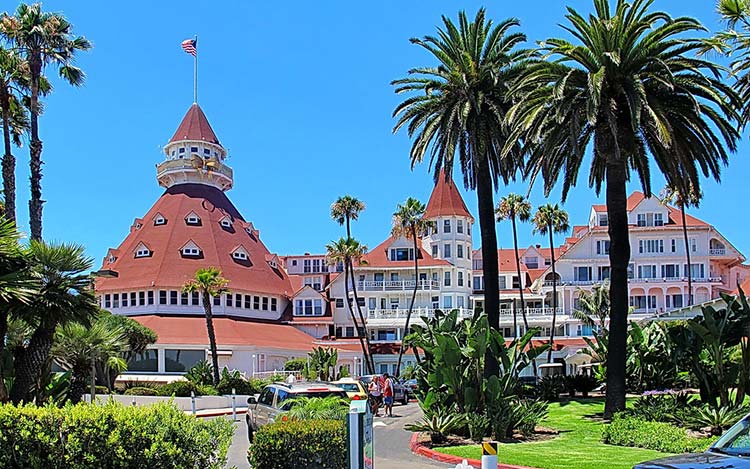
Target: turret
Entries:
(194, 155)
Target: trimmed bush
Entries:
(140, 391)
(110, 436)
(312, 444)
(178, 389)
(234, 380)
(659, 436)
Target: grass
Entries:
(578, 446)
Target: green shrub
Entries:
(550, 387)
(295, 364)
(478, 425)
(101, 390)
(664, 407)
(140, 391)
(206, 390)
(110, 436)
(312, 444)
(583, 383)
(717, 419)
(201, 373)
(178, 389)
(234, 380)
(660, 436)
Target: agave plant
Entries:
(439, 425)
(715, 418)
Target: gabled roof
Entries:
(195, 126)
(446, 200)
(378, 257)
(166, 268)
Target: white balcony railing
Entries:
(717, 252)
(397, 285)
(416, 313)
(563, 283)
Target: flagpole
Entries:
(195, 72)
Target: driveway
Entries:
(391, 442)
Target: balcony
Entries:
(717, 252)
(533, 311)
(398, 285)
(562, 283)
(415, 315)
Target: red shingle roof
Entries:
(191, 330)
(195, 126)
(166, 267)
(378, 257)
(446, 200)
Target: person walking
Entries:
(388, 395)
(374, 390)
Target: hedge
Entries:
(659, 436)
(140, 391)
(312, 444)
(110, 436)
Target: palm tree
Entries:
(594, 312)
(408, 221)
(735, 40)
(13, 77)
(76, 346)
(630, 85)
(16, 287)
(550, 219)
(456, 112)
(42, 39)
(671, 195)
(346, 209)
(347, 252)
(512, 207)
(209, 283)
(65, 296)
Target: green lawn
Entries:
(578, 446)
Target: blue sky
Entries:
(299, 94)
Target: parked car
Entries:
(732, 450)
(353, 387)
(411, 386)
(400, 393)
(276, 398)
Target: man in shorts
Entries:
(374, 391)
(388, 395)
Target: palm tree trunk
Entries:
(35, 154)
(518, 271)
(9, 161)
(363, 331)
(78, 383)
(689, 272)
(211, 335)
(619, 257)
(365, 348)
(554, 295)
(30, 361)
(413, 298)
(3, 332)
(486, 209)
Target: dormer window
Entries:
(192, 219)
(142, 250)
(159, 220)
(226, 222)
(190, 249)
(603, 219)
(239, 255)
(181, 150)
(111, 259)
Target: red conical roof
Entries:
(195, 126)
(166, 268)
(446, 200)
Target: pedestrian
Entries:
(374, 390)
(388, 395)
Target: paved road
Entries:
(391, 442)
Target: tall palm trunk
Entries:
(689, 272)
(619, 257)
(359, 328)
(3, 333)
(78, 383)
(30, 361)
(9, 161)
(486, 209)
(35, 153)
(554, 294)
(363, 331)
(207, 309)
(413, 298)
(518, 271)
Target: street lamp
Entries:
(253, 363)
(355, 372)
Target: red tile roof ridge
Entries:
(445, 199)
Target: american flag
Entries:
(190, 46)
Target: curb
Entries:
(421, 450)
(217, 413)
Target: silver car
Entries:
(276, 398)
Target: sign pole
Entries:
(489, 455)
(195, 72)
